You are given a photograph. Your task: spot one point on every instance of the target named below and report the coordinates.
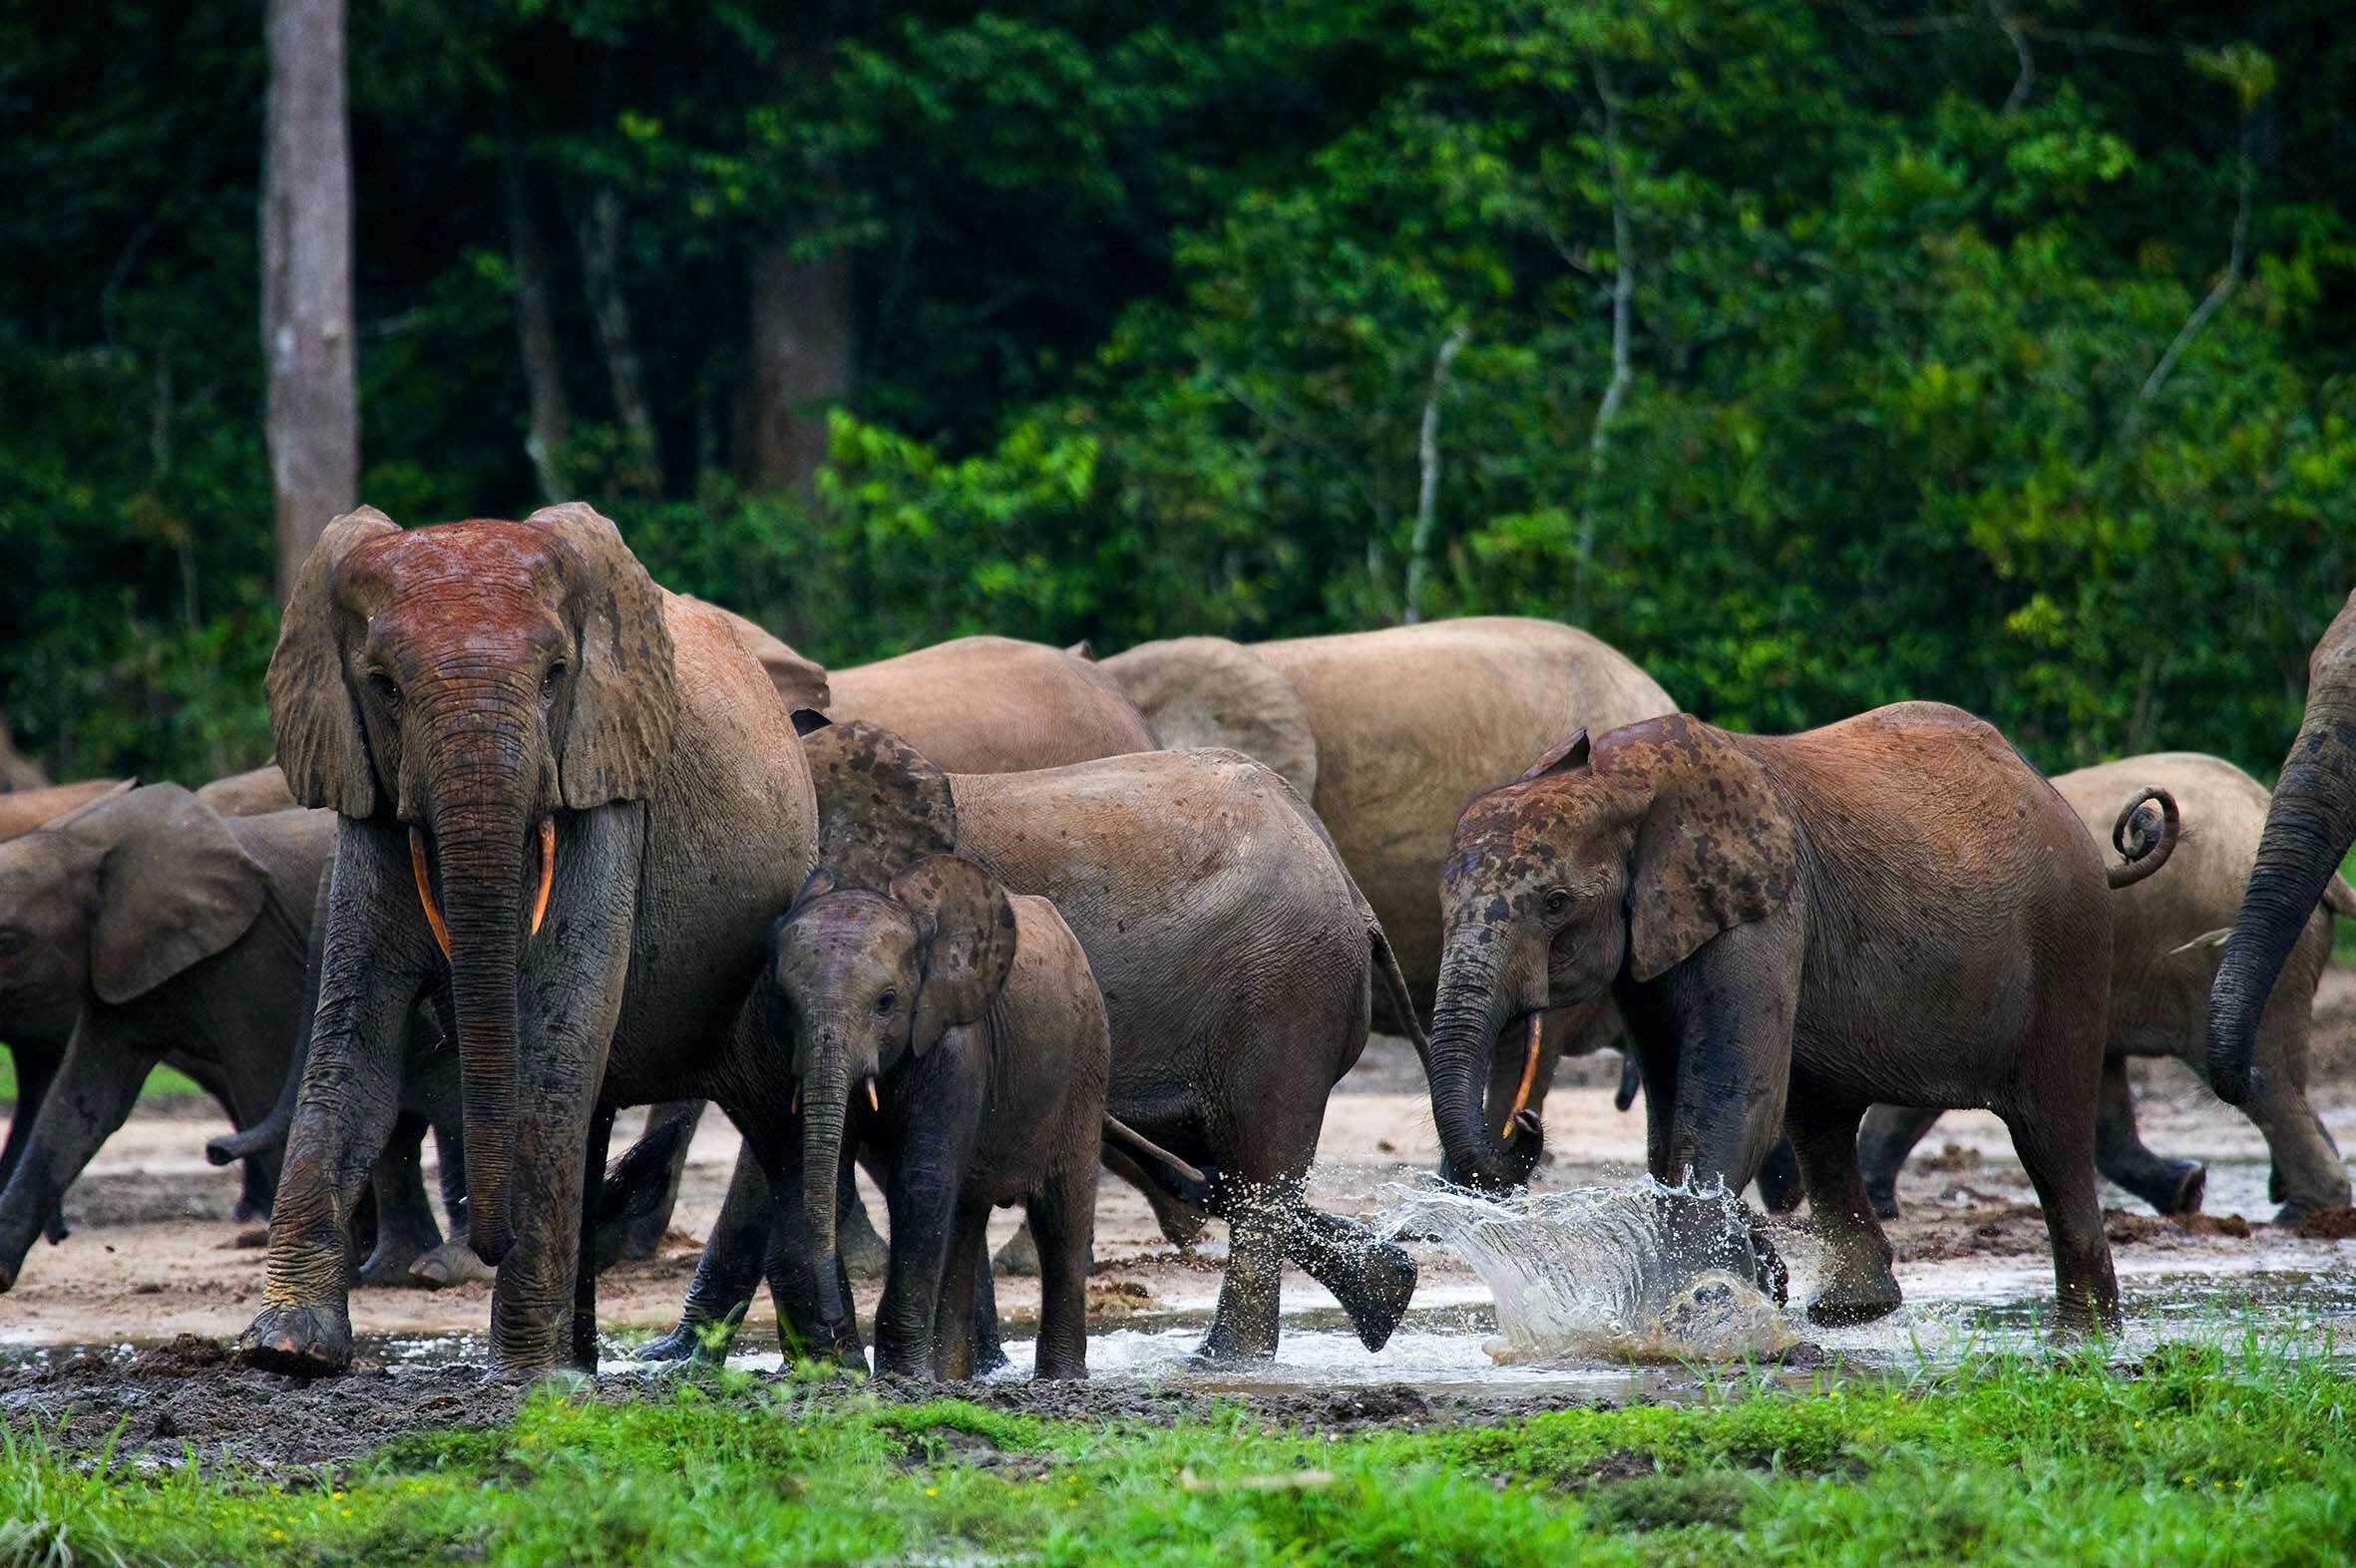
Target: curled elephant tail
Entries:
(2338, 896)
(2145, 854)
(1394, 983)
(1181, 1182)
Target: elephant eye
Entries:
(887, 1001)
(1558, 900)
(386, 692)
(555, 673)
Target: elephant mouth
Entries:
(420, 869)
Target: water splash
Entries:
(1640, 1272)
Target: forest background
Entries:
(1816, 355)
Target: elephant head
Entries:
(113, 900)
(1605, 861)
(2308, 829)
(464, 687)
(867, 977)
(1208, 692)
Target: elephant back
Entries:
(1209, 691)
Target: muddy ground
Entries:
(124, 1320)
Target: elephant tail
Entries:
(2145, 854)
(2338, 896)
(638, 1181)
(1394, 983)
(1183, 1183)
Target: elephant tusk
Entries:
(873, 1103)
(1529, 1075)
(425, 892)
(795, 1109)
(547, 870)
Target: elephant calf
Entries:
(974, 1024)
(1893, 908)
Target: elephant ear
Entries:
(1208, 692)
(881, 803)
(1572, 753)
(175, 888)
(1714, 847)
(321, 745)
(965, 924)
(800, 683)
(625, 693)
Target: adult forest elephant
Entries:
(565, 794)
(2161, 972)
(2309, 827)
(145, 928)
(1237, 961)
(1893, 908)
(1388, 734)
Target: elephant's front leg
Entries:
(91, 1096)
(568, 1000)
(372, 971)
(730, 1270)
(922, 1202)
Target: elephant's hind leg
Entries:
(1064, 1218)
(405, 1227)
(1858, 1284)
(1883, 1144)
(2169, 1186)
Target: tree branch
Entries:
(1427, 486)
(1623, 292)
(2010, 27)
(2209, 306)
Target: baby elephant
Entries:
(962, 1027)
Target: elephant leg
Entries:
(729, 1272)
(925, 1218)
(584, 1265)
(405, 1227)
(1884, 1143)
(642, 1238)
(1725, 1014)
(1243, 1328)
(794, 1259)
(864, 1255)
(1062, 1215)
(2051, 1115)
(1858, 1284)
(96, 1085)
(2312, 1173)
(372, 970)
(1180, 1224)
(36, 1068)
(2168, 1186)
(952, 1313)
(1020, 1257)
(257, 1188)
(1373, 1280)
(1781, 1186)
(450, 1173)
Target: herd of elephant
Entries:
(544, 840)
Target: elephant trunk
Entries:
(826, 1096)
(1472, 1011)
(484, 836)
(2308, 829)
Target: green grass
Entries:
(165, 1083)
(2202, 1455)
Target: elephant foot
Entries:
(1885, 1200)
(387, 1267)
(684, 1343)
(248, 1212)
(56, 1230)
(2190, 1187)
(1848, 1300)
(452, 1263)
(303, 1341)
(1020, 1257)
(1387, 1284)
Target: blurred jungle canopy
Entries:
(1999, 351)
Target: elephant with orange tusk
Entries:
(569, 803)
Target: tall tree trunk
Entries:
(536, 327)
(313, 421)
(801, 363)
(601, 230)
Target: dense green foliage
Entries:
(1151, 304)
(2203, 1458)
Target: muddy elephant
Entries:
(1388, 733)
(2309, 826)
(1893, 908)
(569, 797)
(2160, 971)
(145, 928)
(1236, 960)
